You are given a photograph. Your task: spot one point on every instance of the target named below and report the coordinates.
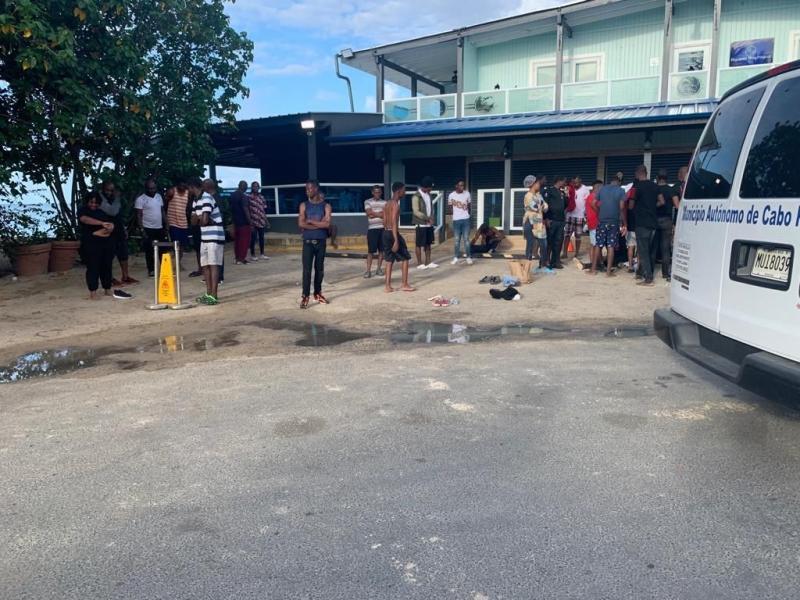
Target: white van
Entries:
(735, 298)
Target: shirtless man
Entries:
(394, 246)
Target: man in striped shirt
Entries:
(207, 215)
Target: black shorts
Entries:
(402, 253)
(424, 237)
(375, 240)
(120, 243)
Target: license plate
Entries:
(772, 264)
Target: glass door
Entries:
(491, 209)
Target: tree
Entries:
(120, 89)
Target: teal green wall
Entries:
(470, 66)
(633, 46)
(751, 19)
(628, 44)
(692, 21)
(508, 63)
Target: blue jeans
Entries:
(461, 232)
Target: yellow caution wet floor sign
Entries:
(166, 281)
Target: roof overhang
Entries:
(434, 56)
(577, 121)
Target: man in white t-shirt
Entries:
(150, 216)
(576, 218)
(460, 200)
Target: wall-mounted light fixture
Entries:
(308, 124)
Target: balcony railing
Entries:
(683, 86)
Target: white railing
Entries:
(730, 77)
(346, 199)
(421, 108)
(688, 85)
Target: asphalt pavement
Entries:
(594, 468)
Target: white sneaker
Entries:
(470, 261)
(253, 259)
(422, 267)
(454, 261)
(264, 257)
(433, 266)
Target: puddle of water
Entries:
(47, 363)
(177, 343)
(447, 333)
(314, 336)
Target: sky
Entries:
(296, 40)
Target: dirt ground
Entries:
(258, 299)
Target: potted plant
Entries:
(23, 240)
(65, 246)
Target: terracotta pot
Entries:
(63, 256)
(31, 260)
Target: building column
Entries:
(666, 54)
(559, 58)
(508, 213)
(380, 81)
(414, 84)
(386, 157)
(212, 172)
(311, 137)
(601, 168)
(647, 161)
(459, 74)
(713, 67)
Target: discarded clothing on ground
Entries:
(510, 293)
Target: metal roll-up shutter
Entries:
(445, 171)
(626, 164)
(484, 176)
(586, 167)
(671, 163)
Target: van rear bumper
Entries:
(745, 365)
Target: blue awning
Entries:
(611, 118)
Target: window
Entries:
(794, 46)
(587, 70)
(716, 157)
(772, 169)
(691, 58)
(577, 69)
(545, 75)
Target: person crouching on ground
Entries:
(314, 221)
(373, 208)
(491, 240)
(394, 246)
(97, 245)
(212, 237)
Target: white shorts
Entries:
(593, 237)
(630, 239)
(211, 254)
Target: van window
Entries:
(716, 158)
(773, 167)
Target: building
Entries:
(290, 149)
(591, 88)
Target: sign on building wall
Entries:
(752, 52)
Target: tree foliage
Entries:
(124, 89)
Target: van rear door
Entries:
(698, 267)
(760, 303)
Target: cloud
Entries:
(374, 21)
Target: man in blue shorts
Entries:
(610, 205)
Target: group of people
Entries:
(638, 217)
(188, 213)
